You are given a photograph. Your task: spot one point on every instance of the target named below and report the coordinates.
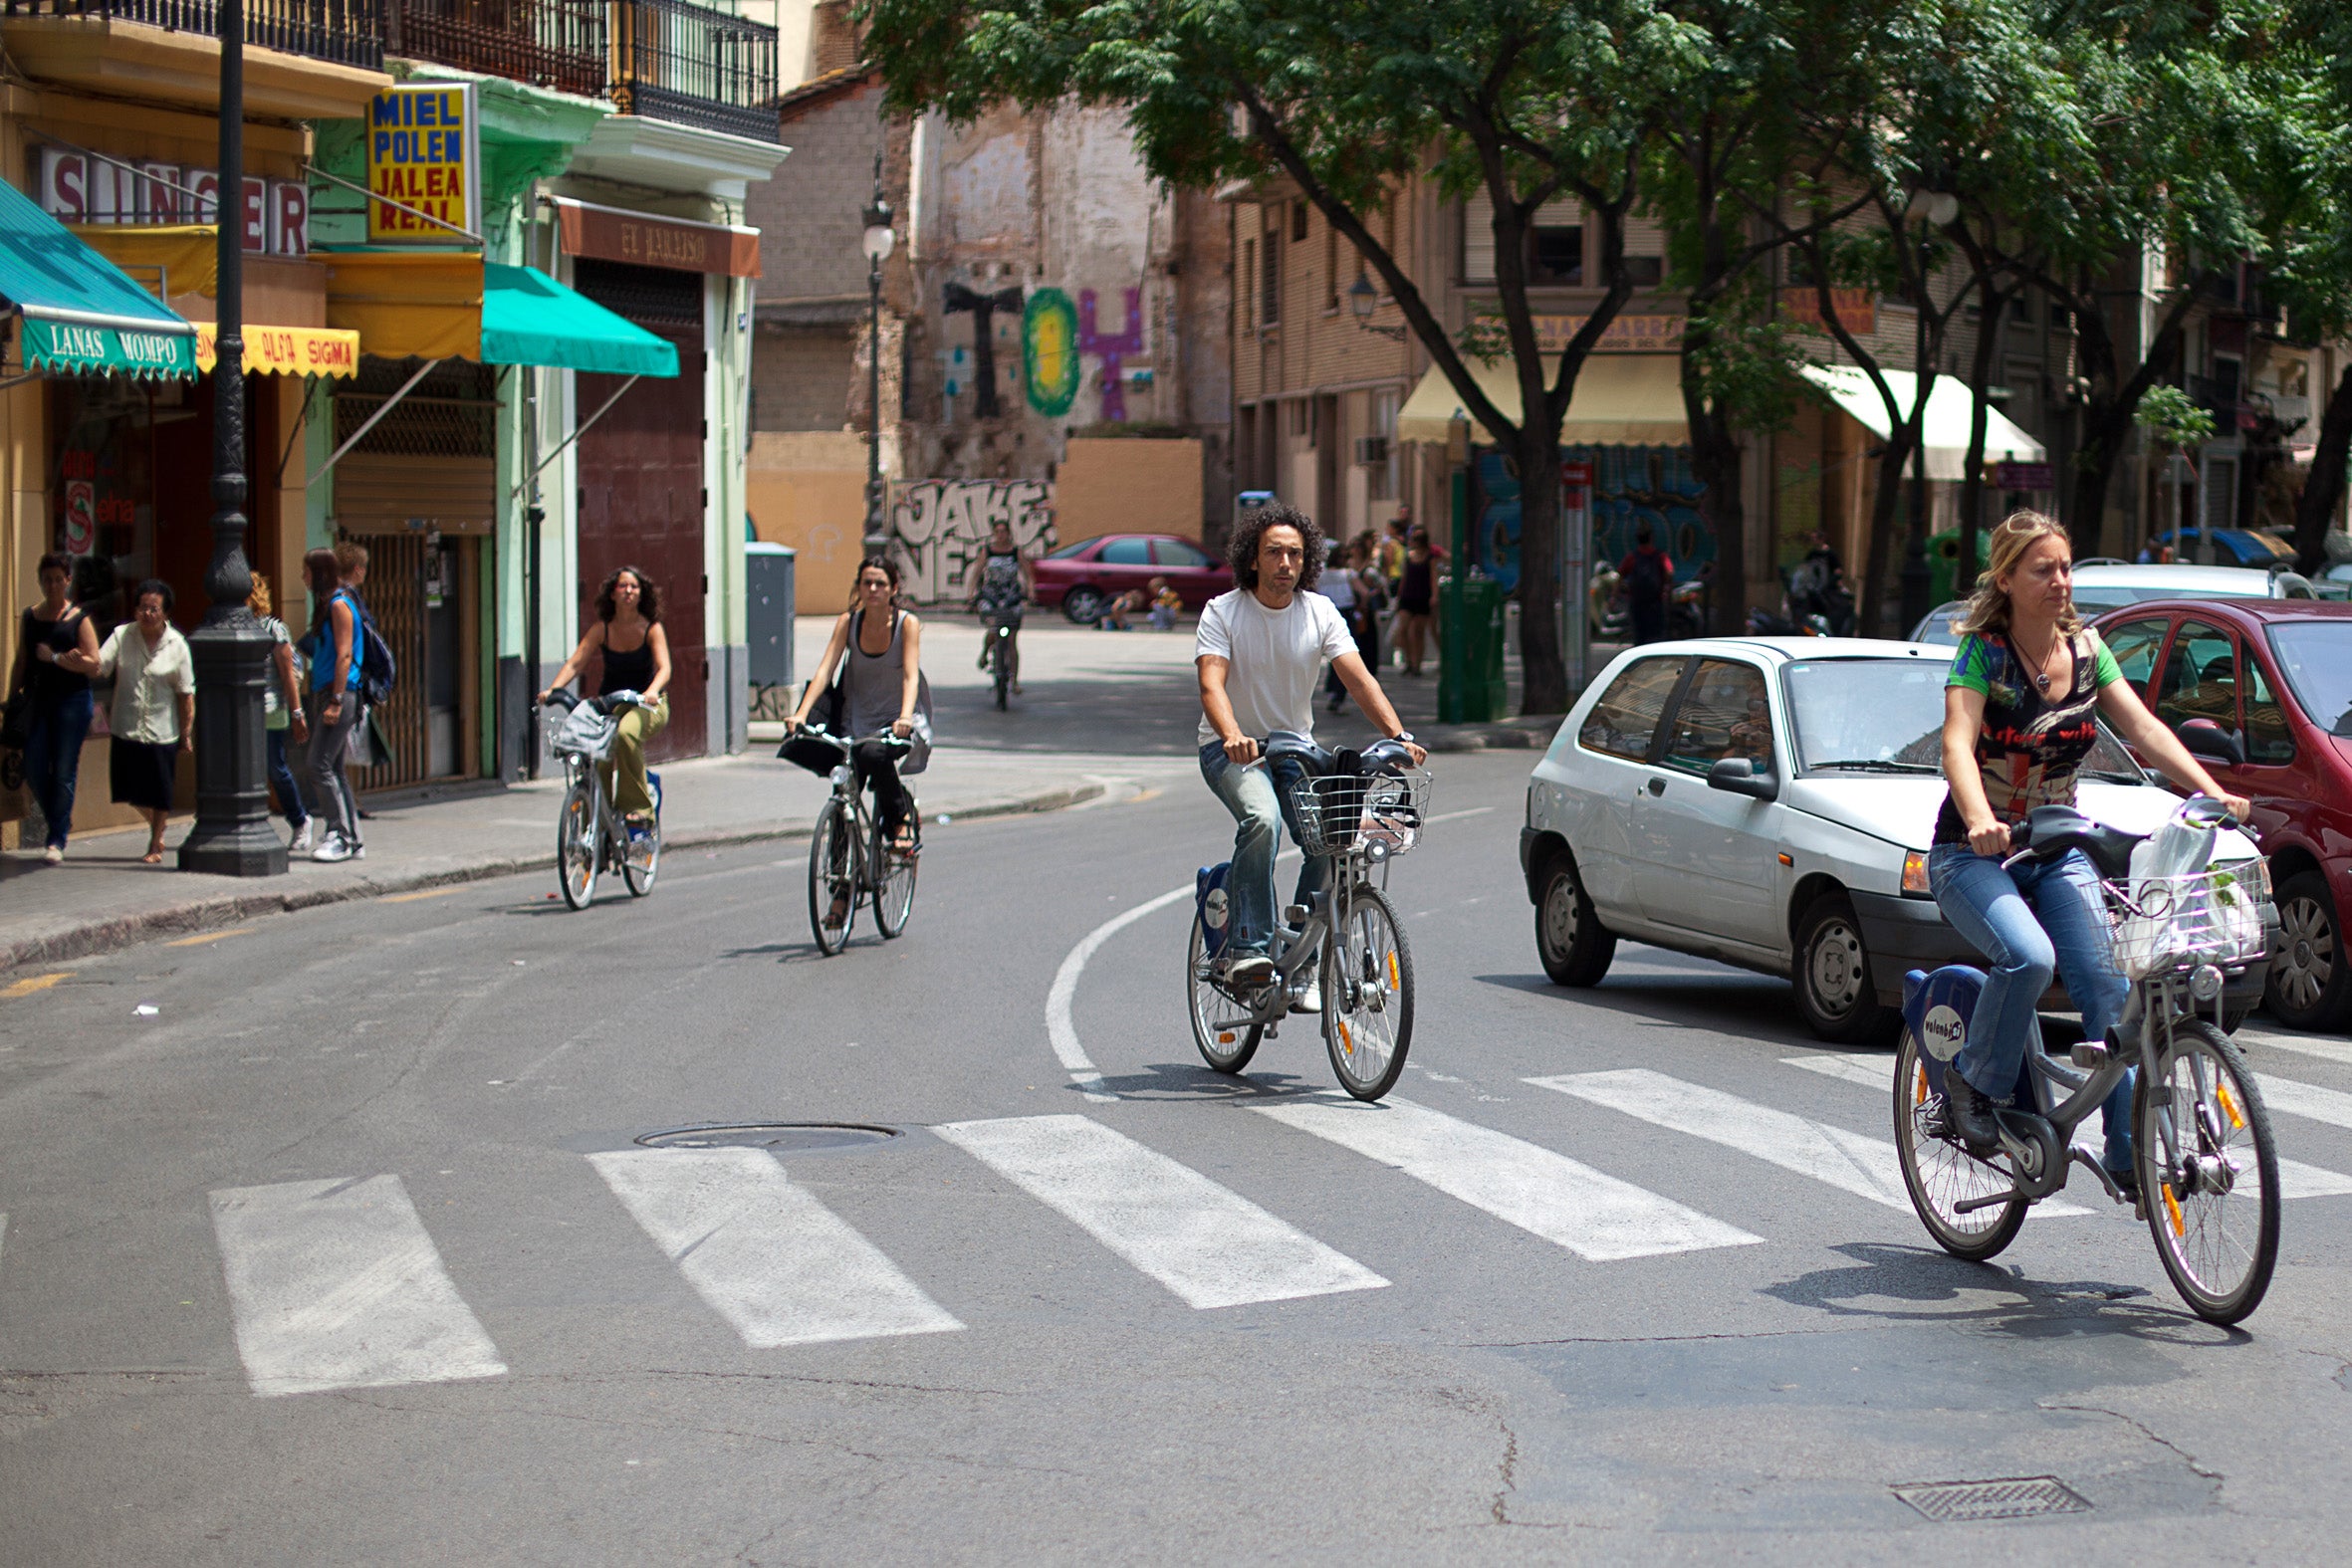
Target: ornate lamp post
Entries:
(1362, 301)
(232, 835)
(876, 242)
(1934, 209)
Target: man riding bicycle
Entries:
(1003, 582)
(1260, 655)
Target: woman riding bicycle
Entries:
(1002, 584)
(882, 681)
(2021, 705)
(627, 633)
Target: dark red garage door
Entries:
(641, 481)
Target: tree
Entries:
(2310, 271)
(1524, 100)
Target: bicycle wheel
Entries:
(894, 890)
(1941, 1174)
(833, 876)
(1004, 664)
(640, 859)
(579, 835)
(2214, 1207)
(1367, 978)
(1222, 1027)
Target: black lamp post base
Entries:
(233, 836)
(248, 849)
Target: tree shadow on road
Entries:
(1178, 1080)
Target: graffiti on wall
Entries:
(1631, 485)
(940, 528)
(1113, 347)
(1049, 351)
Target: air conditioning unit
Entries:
(1371, 451)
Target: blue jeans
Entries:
(1259, 812)
(1996, 911)
(53, 761)
(282, 781)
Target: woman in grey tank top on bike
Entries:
(878, 649)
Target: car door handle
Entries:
(1657, 786)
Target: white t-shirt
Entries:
(1277, 658)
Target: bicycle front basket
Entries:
(2175, 922)
(586, 733)
(1337, 811)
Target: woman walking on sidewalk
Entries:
(335, 704)
(57, 695)
(153, 716)
(281, 694)
(627, 633)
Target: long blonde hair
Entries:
(1989, 607)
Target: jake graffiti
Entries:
(940, 528)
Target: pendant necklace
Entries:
(2042, 674)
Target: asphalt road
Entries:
(347, 1253)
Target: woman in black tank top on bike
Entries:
(637, 659)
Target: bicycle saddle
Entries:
(2048, 832)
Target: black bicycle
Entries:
(1001, 651)
(851, 860)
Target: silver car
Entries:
(2102, 585)
(1769, 803)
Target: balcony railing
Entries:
(341, 31)
(678, 61)
(556, 44)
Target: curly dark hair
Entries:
(1241, 552)
(649, 596)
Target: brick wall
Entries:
(801, 376)
(809, 213)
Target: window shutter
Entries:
(1478, 230)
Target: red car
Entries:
(2274, 678)
(1085, 577)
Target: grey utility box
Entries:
(768, 612)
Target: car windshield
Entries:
(2316, 658)
(1067, 550)
(1886, 716)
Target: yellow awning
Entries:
(1621, 400)
(286, 351)
(169, 258)
(426, 305)
(1944, 425)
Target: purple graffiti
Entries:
(1113, 350)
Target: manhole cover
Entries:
(2018, 1498)
(783, 1137)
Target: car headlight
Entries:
(1915, 874)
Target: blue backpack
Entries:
(1210, 904)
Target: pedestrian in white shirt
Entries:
(153, 714)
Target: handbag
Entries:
(15, 721)
(824, 713)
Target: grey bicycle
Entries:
(1359, 811)
(591, 834)
(852, 861)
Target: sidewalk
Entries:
(103, 898)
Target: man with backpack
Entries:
(351, 667)
(1648, 576)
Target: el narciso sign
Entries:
(424, 151)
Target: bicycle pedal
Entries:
(1296, 914)
(2088, 1055)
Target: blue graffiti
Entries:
(1630, 485)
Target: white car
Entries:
(2102, 585)
(1769, 803)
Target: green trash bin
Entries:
(1472, 680)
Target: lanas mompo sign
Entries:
(424, 151)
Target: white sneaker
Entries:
(302, 837)
(54, 855)
(358, 851)
(332, 848)
(1307, 998)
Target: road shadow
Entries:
(1177, 1080)
(1728, 1001)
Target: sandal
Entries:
(838, 915)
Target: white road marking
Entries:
(1875, 1070)
(1849, 1161)
(1592, 1214)
(777, 1264)
(337, 1285)
(1209, 1245)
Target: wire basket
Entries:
(584, 731)
(1333, 814)
(2168, 923)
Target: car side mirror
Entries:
(2210, 740)
(1738, 776)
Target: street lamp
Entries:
(878, 242)
(230, 651)
(1934, 209)
(1363, 299)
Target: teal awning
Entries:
(83, 314)
(530, 319)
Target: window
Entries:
(1270, 279)
(2200, 678)
(1176, 552)
(2269, 742)
(2135, 644)
(1625, 719)
(1299, 222)
(1249, 279)
(1071, 552)
(1330, 268)
(1558, 254)
(1126, 553)
(1645, 272)
(1724, 712)
(2316, 658)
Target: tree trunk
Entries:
(1971, 488)
(2106, 425)
(1715, 462)
(1543, 671)
(2323, 487)
(1879, 557)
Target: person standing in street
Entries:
(336, 706)
(1415, 594)
(153, 716)
(281, 695)
(1648, 574)
(637, 659)
(57, 695)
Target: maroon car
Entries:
(2274, 678)
(1085, 576)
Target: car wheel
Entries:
(1835, 989)
(1574, 946)
(2310, 984)
(1083, 604)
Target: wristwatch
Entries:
(1403, 735)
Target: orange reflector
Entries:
(1394, 984)
(1788, 859)
(1346, 1041)
(1225, 1038)
(1923, 1083)
(2221, 1093)
(2171, 1207)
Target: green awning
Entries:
(83, 314)
(530, 319)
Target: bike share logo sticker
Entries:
(1213, 909)
(1943, 1032)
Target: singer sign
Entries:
(275, 214)
(424, 153)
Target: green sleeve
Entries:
(1972, 666)
(2105, 670)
